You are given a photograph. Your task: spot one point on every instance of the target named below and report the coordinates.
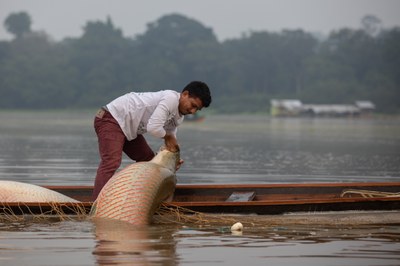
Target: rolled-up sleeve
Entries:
(157, 120)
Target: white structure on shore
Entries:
(293, 107)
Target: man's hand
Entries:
(179, 164)
(171, 143)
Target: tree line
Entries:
(244, 73)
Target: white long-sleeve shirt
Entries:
(153, 112)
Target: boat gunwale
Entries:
(297, 201)
(249, 185)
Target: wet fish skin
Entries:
(13, 191)
(134, 193)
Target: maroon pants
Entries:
(112, 142)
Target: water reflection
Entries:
(261, 149)
(293, 245)
(102, 242)
(60, 148)
(121, 243)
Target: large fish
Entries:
(12, 191)
(134, 193)
(131, 195)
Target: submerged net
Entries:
(169, 214)
(179, 215)
(49, 210)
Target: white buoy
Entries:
(237, 227)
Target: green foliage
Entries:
(243, 73)
(18, 23)
(35, 74)
(173, 51)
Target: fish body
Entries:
(131, 195)
(12, 191)
(134, 193)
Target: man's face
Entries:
(189, 105)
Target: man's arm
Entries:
(171, 143)
(155, 125)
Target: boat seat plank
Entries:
(241, 196)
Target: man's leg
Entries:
(138, 149)
(111, 140)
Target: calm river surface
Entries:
(60, 148)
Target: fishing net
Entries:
(179, 215)
(49, 210)
(368, 193)
(169, 214)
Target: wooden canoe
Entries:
(247, 198)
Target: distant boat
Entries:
(194, 118)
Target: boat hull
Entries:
(245, 198)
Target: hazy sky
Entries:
(228, 18)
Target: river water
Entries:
(59, 148)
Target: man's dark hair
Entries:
(200, 90)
